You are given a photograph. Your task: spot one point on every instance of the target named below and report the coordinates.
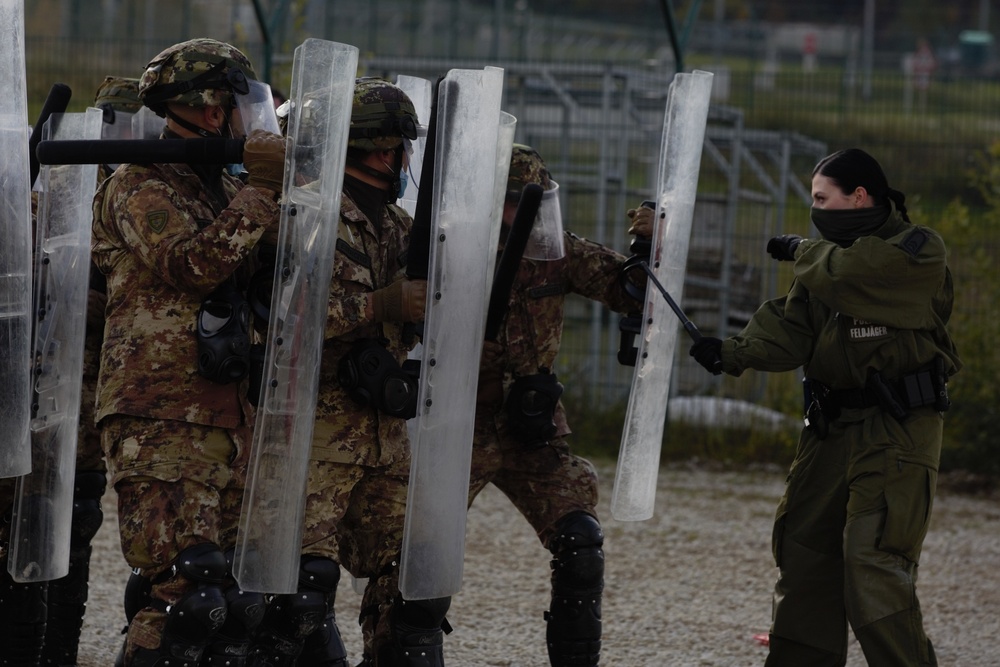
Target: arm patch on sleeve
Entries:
(914, 241)
(157, 220)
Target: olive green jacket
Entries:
(881, 304)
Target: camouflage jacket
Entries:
(531, 334)
(368, 257)
(164, 244)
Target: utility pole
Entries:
(867, 49)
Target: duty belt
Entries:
(925, 387)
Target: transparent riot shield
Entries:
(43, 503)
(420, 92)
(463, 225)
(684, 124)
(270, 531)
(15, 249)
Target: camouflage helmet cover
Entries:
(199, 72)
(526, 166)
(118, 93)
(382, 115)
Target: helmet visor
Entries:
(546, 239)
(256, 110)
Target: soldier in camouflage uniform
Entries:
(866, 318)
(360, 454)
(174, 242)
(40, 622)
(528, 458)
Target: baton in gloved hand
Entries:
(688, 324)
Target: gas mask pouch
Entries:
(223, 335)
(371, 376)
(531, 407)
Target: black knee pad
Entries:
(199, 615)
(417, 628)
(325, 647)
(244, 612)
(290, 618)
(23, 612)
(137, 597)
(573, 621)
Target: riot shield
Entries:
(43, 503)
(684, 124)
(419, 91)
(270, 531)
(463, 226)
(15, 250)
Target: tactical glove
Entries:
(708, 352)
(264, 159)
(402, 301)
(642, 221)
(782, 248)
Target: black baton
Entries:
(141, 151)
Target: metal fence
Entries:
(598, 125)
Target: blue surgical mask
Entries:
(404, 179)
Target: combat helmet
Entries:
(118, 93)
(199, 72)
(382, 115)
(526, 166)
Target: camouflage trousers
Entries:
(178, 485)
(545, 482)
(354, 514)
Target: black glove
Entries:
(782, 248)
(708, 352)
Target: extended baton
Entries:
(688, 324)
(140, 151)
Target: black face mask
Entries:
(845, 226)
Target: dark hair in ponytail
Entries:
(852, 168)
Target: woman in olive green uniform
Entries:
(866, 318)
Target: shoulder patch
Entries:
(157, 220)
(914, 241)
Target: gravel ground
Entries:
(689, 587)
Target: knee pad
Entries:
(89, 487)
(573, 621)
(137, 594)
(325, 647)
(244, 612)
(23, 612)
(290, 618)
(195, 618)
(417, 630)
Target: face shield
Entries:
(546, 239)
(146, 124)
(116, 124)
(256, 110)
